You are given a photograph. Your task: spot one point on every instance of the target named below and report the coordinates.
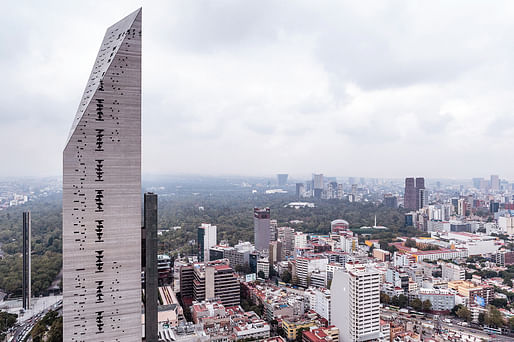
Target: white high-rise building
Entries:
(452, 272)
(506, 224)
(320, 302)
(300, 240)
(207, 238)
(356, 303)
(102, 196)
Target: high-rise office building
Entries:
(477, 182)
(102, 196)
(207, 238)
(317, 181)
(390, 201)
(216, 279)
(356, 303)
(495, 182)
(261, 228)
(27, 263)
(282, 179)
(415, 195)
(300, 189)
(409, 198)
(286, 236)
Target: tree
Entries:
(499, 302)
(55, 333)
(416, 304)
(427, 305)
(494, 317)
(410, 243)
(511, 323)
(384, 298)
(286, 276)
(299, 334)
(481, 318)
(402, 301)
(261, 274)
(464, 313)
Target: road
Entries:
(23, 330)
(440, 325)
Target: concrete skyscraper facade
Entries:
(262, 228)
(356, 303)
(150, 267)
(102, 196)
(27, 260)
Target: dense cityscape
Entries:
(109, 253)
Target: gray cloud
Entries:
(341, 87)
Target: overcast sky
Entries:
(345, 88)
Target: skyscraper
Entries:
(409, 198)
(356, 303)
(261, 228)
(317, 181)
(102, 196)
(495, 182)
(282, 179)
(27, 263)
(207, 237)
(414, 197)
(150, 268)
(300, 189)
(420, 192)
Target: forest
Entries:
(46, 245)
(227, 206)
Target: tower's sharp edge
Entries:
(111, 43)
(102, 196)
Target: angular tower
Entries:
(102, 196)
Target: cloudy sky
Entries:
(346, 88)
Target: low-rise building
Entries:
(315, 334)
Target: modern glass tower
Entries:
(102, 196)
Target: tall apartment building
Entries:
(261, 228)
(187, 277)
(356, 304)
(453, 272)
(206, 239)
(102, 196)
(320, 302)
(275, 252)
(504, 258)
(239, 255)
(216, 279)
(305, 266)
(273, 226)
(286, 236)
(300, 240)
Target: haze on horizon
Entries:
(384, 89)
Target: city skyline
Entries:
(235, 91)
